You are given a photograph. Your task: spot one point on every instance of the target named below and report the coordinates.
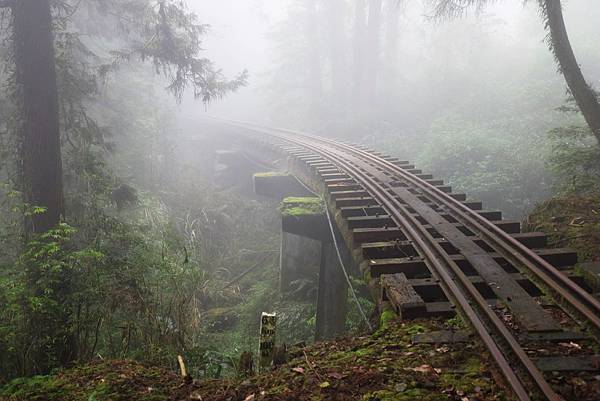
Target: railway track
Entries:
(447, 254)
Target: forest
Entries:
(136, 256)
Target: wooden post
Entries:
(266, 345)
(182, 366)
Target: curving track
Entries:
(446, 234)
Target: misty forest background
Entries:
(144, 264)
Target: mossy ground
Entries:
(103, 380)
(382, 367)
(297, 206)
(572, 221)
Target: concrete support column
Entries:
(307, 248)
(300, 258)
(332, 294)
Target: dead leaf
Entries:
(249, 398)
(336, 375)
(422, 369)
(570, 344)
(324, 385)
(196, 396)
(298, 370)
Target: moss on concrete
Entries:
(299, 206)
(271, 174)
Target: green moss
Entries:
(298, 206)
(571, 221)
(271, 174)
(455, 323)
(416, 329)
(389, 395)
(32, 388)
(591, 278)
(387, 316)
(104, 381)
(362, 352)
(308, 200)
(386, 367)
(381, 395)
(342, 357)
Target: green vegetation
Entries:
(571, 221)
(124, 244)
(385, 367)
(298, 206)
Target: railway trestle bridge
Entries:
(424, 251)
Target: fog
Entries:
(505, 41)
(133, 226)
(464, 97)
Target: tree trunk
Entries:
(373, 48)
(360, 33)
(391, 39)
(36, 78)
(314, 56)
(337, 57)
(584, 95)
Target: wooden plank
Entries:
(370, 221)
(342, 187)
(362, 235)
(348, 194)
(440, 309)
(354, 201)
(355, 211)
(527, 312)
(430, 289)
(569, 364)
(557, 336)
(388, 266)
(407, 303)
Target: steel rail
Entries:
(431, 250)
(527, 258)
(583, 302)
(443, 265)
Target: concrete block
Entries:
(278, 185)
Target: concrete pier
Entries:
(308, 248)
(332, 294)
(308, 253)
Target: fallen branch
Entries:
(311, 366)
